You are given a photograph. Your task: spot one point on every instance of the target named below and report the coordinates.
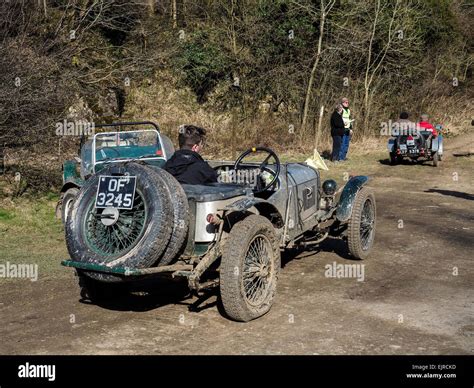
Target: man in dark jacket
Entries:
(186, 165)
(337, 132)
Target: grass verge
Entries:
(30, 234)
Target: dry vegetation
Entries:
(252, 72)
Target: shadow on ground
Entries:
(452, 193)
(152, 293)
(405, 162)
(145, 295)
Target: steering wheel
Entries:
(260, 183)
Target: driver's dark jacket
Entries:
(188, 167)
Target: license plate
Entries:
(410, 142)
(116, 191)
(413, 151)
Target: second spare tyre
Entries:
(180, 219)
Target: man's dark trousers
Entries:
(336, 147)
(346, 139)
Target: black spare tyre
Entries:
(180, 222)
(135, 238)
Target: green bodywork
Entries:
(99, 268)
(71, 173)
(199, 249)
(124, 271)
(132, 151)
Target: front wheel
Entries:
(361, 230)
(67, 201)
(249, 269)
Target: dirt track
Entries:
(410, 302)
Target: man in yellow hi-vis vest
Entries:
(346, 139)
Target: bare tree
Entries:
(374, 64)
(323, 12)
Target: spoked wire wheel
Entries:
(258, 271)
(112, 232)
(367, 224)
(361, 228)
(135, 238)
(249, 269)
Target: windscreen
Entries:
(127, 145)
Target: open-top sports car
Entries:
(417, 146)
(132, 220)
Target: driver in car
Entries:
(186, 164)
(425, 125)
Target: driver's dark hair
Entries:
(404, 115)
(190, 135)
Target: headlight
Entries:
(329, 187)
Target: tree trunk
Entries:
(378, 62)
(175, 13)
(233, 134)
(232, 29)
(367, 80)
(307, 100)
(318, 131)
(42, 4)
(151, 7)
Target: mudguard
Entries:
(265, 209)
(70, 175)
(437, 144)
(70, 171)
(346, 200)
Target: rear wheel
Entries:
(393, 159)
(249, 269)
(436, 159)
(97, 291)
(361, 230)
